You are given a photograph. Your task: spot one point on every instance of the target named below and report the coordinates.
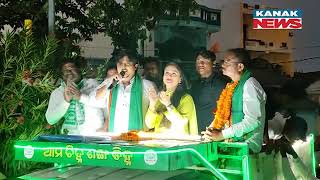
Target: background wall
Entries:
(230, 34)
(99, 48)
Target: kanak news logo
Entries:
(277, 19)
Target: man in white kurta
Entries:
(79, 118)
(254, 100)
(247, 106)
(121, 119)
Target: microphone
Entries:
(115, 81)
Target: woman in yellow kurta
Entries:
(172, 110)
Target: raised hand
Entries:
(115, 79)
(67, 94)
(153, 97)
(74, 91)
(165, 98)
(101, 92)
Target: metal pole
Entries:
(51, 13)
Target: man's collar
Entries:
(132, 79)
(130, 82)
(207, 79)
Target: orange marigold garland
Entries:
(223, 114)
(130, 136)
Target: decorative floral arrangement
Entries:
(222, 117)
(130, 136)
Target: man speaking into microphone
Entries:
(125, 96)
(116, 80)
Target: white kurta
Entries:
(58, 106)
(254, 100)
(121, 118)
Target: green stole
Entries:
(237, 99)
(75, 114)
(135, 112)
(237, 114)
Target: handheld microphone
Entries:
(115, 81)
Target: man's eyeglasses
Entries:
(203, 62)
(228, 62)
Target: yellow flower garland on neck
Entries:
(222, 117)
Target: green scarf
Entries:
(237, 99)
(135, 112)
(237, 102)
(75, 114)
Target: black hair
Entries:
(181, 90)
(295, 128)
(66, 61)
(207, 55)
(150, 60)
(130, 54)
(111, 65)
(158, 79)
(242, 55)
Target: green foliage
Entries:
(102, 70)
(72, 21)
(26, 65)
(76, 20)
(26, 84)
(128, 22)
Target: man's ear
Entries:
(136, 66)
(240, 67)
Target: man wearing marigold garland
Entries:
(205, 91)
(240, 114)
